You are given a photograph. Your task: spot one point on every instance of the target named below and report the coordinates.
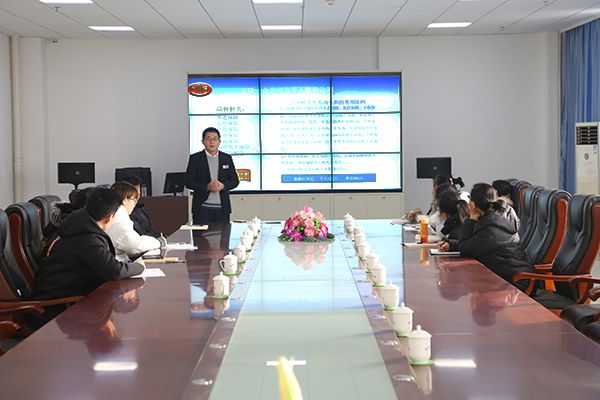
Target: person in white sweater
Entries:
(126, 240)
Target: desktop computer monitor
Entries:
(76, 173)
(174, 182)
(143, 173)
(429, 167)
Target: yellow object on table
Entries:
(289, 388)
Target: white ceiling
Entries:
(197, 19)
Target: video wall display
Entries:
(305, 132)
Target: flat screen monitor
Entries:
(174, 182)
(429, 167)
(76, 173)
(144, 173)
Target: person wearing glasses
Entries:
(211, 175)
(128, 243)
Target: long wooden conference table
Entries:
(167, 338)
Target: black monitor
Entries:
(429, 167)
(174, 182)
(143, 173)
(76, 173)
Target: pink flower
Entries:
(296, 222)
(288, 223)
(324, 229)
(309, 223)
(296, 236)
(319, 216)
(307, 209)
(310, 232)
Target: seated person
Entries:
(491, 238)
(126, 240)
(83, 257)
(435, 221)
(59, 212)
(141, 220)
(503, 191)
(453, 213)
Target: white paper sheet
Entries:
(186, 227)
(151, 273)
(180, 246)
(436, 252)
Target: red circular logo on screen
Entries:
(199, 89)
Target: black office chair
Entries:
(15, 289)
(517, 195)
(575, 257)
(44, 205)
(26, 237)
(528, 215)
(549, 227)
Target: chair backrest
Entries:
(581, 244)
(44, 205)
(528, 214)
(517, 195)
(26, 237)
(13, 285)
(549, 227)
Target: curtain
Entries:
(580, 86)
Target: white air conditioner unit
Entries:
(587, 157)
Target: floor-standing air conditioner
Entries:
(587, 159)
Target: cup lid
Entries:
(403, 310)
(419, 333)
(221, 278)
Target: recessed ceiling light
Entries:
(448, 24)
(67, 1)
(277, 1)
(281, 27)
(111, 28)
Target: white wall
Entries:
(489, 102)
(6, 152)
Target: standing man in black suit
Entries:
(211, 175)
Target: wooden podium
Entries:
(167, 213)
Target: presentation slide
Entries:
(366, 171)
(223, 95)
(296, 133)
(366, 133)
(239, 133)
(248, 170)
(296, 172)
(306, 132)
(294, 95)
(365, 93)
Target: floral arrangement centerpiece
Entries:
(305, 225)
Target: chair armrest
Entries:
(19, 308)
(7, 329)
(586, 283)
(40, 303)
(542, 277)
(543, 267)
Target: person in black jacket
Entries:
(453, 212)
(211, 175)
(82, 257)
(490, 236)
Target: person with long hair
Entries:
(453, 213)
(491, 236)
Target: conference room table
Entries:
(169, 338)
